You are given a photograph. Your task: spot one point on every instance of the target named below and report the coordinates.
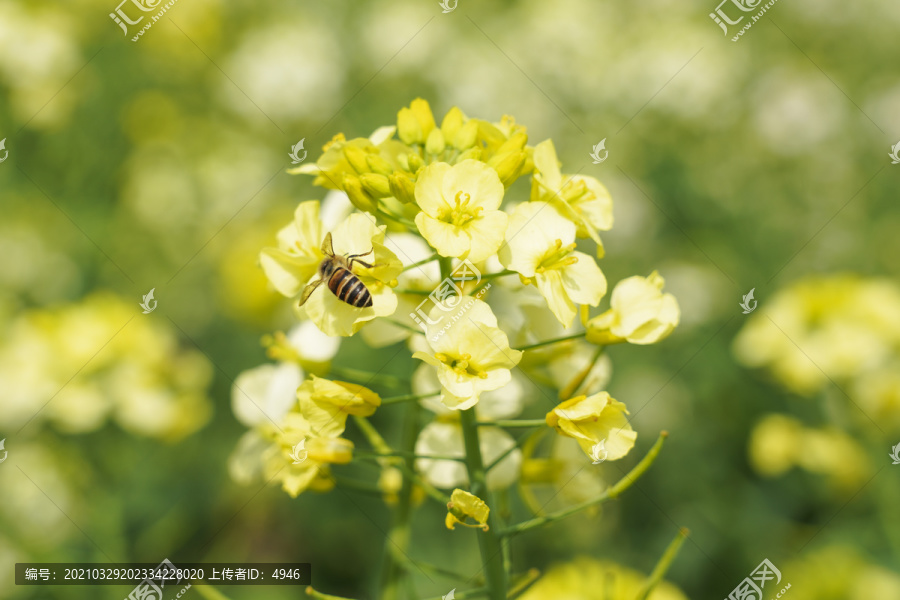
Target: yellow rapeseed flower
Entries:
(540, 245)
(327, 404)
(580, 198)
(471, 354)
(594, 419)
(463, 506)
(460, 216)
(640, 313)
(294, 264)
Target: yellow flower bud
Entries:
(403, 188)
(379, 165)
(516, 141)
(330, 450)
(375, 185)
(508, 165)
(357, 158)
(408, 129)
(467, 136)
(415, 162)
(414, 124)
(435, 143)
(464, 505)
(452, 123)
(358, 196)
(473, 153)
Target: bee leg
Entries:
(361, 263)
(352, 256)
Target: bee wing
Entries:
(327, 247)
(309, 289)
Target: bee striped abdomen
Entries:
(348, 288)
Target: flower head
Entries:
(579, 198)
(322, 450)
(640, 313)
(540, 245)
(594, 419)
(460, 216)
(463, 506)
(327, 404)
(294, 264)
(581, 579)
(471, 354)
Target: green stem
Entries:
(610, 494)
(408, 398)
(572, 387)
(514, 423)
(424, 261)
(550, 342)
(320, 596)
(359, 486)
(399, 534)
(506, 453)
(488, 541)
(659, 571)
(402, 454)
(367, 377)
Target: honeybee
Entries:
(337, 270)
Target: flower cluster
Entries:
(484, 288)
(98, 363)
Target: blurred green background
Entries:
(161, 164)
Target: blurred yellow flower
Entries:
(471, 354)
(460, 216)
(96, 362)
(580, 198)
(540, 245)
(594, 419)
(839, 327)
(639, 313)
(589, 579)
(779, 443)
(443, 437)
(840, 572)
(463, 506)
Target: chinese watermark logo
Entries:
(5, 152)
(123, 20)
(723, 20)
(299, 452)
(450, 596)
(598, 452)
(296, 159)
(895, 454)
(3, 451)
(895, 150)
(164, 573)
(448, 297)
(448, 6)
(148, 298)
(751, 588)
(600, 147)
(748, 298)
